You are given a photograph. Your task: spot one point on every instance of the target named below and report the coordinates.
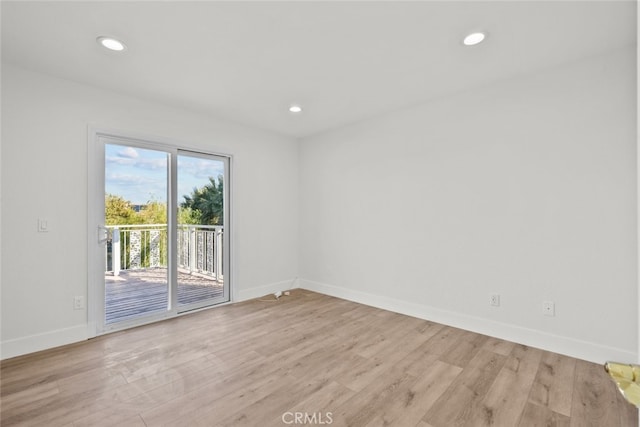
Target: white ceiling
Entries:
(343, 61)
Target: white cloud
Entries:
(128, 179)
(128, 153)
(151, 164)
(200, 168)
(137, 189)
(142, 163)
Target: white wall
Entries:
(525, 188)
(44, 174)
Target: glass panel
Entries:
(136, 275)
(200, 230)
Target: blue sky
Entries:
(140, 175)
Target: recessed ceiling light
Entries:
(474, 38)
(295, 108)
(111, 43)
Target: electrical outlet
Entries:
(548, 308)
(494, 300)
(78, 302)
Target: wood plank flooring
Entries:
(305, 359)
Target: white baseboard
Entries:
(43, 341)
(534, 338)
(260, 291)
(57, 338)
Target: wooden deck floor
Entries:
(139, 292)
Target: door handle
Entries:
(104, 235)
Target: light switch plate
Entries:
(43, 225)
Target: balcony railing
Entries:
(134, 247)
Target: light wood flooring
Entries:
(253, 363)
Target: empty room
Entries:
(384, 213)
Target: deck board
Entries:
(136, 293)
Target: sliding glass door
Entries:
(136, 279)
(160, 214)
(201, 221)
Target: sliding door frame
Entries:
(96, 209)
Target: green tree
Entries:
(189, 216)
(208, 201)
(153, 212)
(119, 211)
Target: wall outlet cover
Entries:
(494, 300)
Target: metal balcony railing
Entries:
(134, 247)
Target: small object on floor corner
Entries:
(627, 378)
